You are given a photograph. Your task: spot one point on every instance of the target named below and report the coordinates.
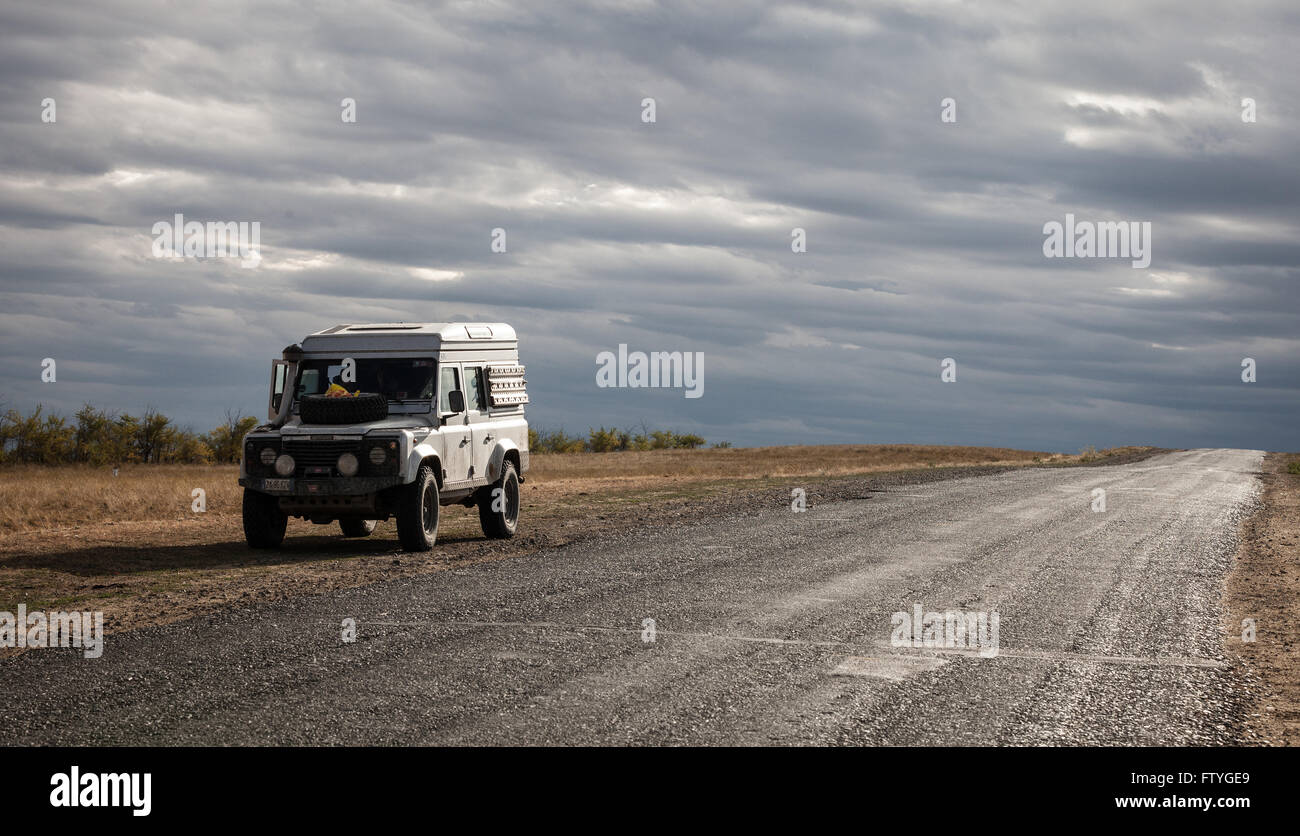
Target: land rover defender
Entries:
(390, 420)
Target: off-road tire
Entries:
(362, 409)
(356, 527)
(501, 525)
(417, 512)
(264, 522)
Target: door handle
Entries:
(487, 438)
(464, 441)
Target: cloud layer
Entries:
(924, 238)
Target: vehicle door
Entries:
(457, 458)
(480, 421)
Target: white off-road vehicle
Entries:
(368, 422)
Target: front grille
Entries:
(320, 453)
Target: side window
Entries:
(474, 398)
(309, 383)
(449, 383)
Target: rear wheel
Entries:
(498, 505)
(356, 527)
(417, 512)
(264, 522)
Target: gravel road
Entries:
(769, 628)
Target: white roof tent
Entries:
(422, 337)
(492, 343)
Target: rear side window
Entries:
(474, 397)
(450, 383)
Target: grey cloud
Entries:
(924, 238)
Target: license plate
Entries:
(276, 484)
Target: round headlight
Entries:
(267, 456)
(348, 464)
(378, 456)
(284, 465)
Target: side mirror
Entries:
(456, 399)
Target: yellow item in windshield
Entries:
(337, 391)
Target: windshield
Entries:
(396, 378)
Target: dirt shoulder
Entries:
(154, 571)
(1264, 585)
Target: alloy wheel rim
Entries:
(428, 511)
(512, 501)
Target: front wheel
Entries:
(417, 512)
(498, 506)
(264, 522)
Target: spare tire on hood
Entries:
(353, 409)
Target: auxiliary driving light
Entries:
(378, 456)
(348, 464)
(284, 465)
(267, 456)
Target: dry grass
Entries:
(762, 462)
(35, 497)
(812, 461)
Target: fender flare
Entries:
(498, 456)
(419, 453)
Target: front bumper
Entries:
(333, 486)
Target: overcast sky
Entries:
(924, 237)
